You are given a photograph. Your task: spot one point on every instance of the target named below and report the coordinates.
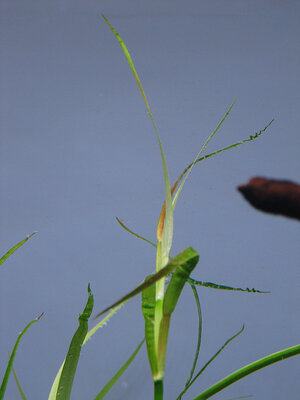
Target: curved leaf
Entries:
(180, 259)
(12, 357)
(247, 370)
(14, 248)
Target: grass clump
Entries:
(159, 297)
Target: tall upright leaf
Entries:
(71, 361)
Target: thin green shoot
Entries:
(247, 370)
(223, 287)
(114, 379)
(167, 235)
(198, 341)
(200, 152)
(215, 356)
(250, 139)
(133, 233)
(12, 357)
(14, 248)
(21, 393)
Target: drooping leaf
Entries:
(179, 277)
(14, 248)
(133, 233)
(181, 258)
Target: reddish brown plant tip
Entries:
(273, 196)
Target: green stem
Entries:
(158, 389)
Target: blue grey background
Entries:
(78, 149)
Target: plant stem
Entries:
(158, 389)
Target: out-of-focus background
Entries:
(78, 149)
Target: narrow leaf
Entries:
(133, 233)
(12, 357)
(223, 287)
(200, 152)
(70, 364)
(250, 139)
(22, 394)
(215, 356)
(247, 370)
(110, 384)
(198, 342)
(14, 248)
(167, 236)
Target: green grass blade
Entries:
(211, 360)
(134, 234)
(216, 355)
(223, 287)
(250, 139)
(12, 357)
(148, 310)
(14, 248)
(70, 364)
(198, 342)
(181, 258)
(200, 152)
(91, 332)
(22, 394)
(247, 370)
(110, 384)
(168, 226)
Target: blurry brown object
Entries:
(273, 196)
